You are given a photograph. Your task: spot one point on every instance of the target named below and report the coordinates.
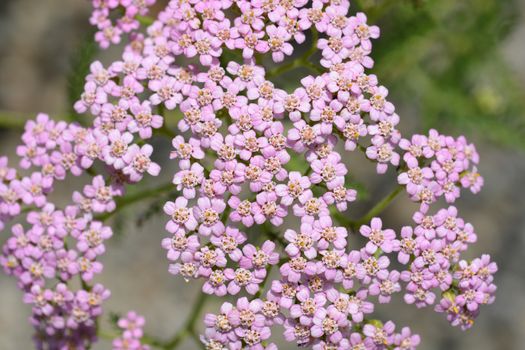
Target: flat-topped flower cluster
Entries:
(262, 181)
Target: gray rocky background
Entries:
(37, 38)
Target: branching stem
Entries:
(303, 61)
(125, 201)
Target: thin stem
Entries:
(271, 234)
(189, 327)
(226, 213)
(135, 197)
(342, 219)
(274, 236)
(261, 287)
(197, 340)
(146, 339)
(12, 120)
(303, 61)
(373, 212)
(166, 131)
(313, 47)
(145, 20)
(284, 68)
(104, 334)
(379, 207)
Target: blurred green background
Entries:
(457, 66)
(455, 61)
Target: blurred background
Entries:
(457, 66)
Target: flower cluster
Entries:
(249, 182)
(474, 287)
(131, 326)
(432, 251)
(438, 166)
(261, 176)
(111, 29)
(39, 256)
(245, 323)
(49, 246)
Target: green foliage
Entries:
(12, 121)
(442, 58)
(113, 319)
(79, 68)
(359, 187)
(153, 209)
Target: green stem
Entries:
(146, 339)
(379, 207)
(91, 171)
(145, 21)
(303, 61)
(373, 212)
(284, 68)
(125, 201)
(189, 327)
(313, 47)
(166, 131)
(197, 340)
(103, 334)
(12, 120)
(261, 287)
(343, 220)
(271, 234)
